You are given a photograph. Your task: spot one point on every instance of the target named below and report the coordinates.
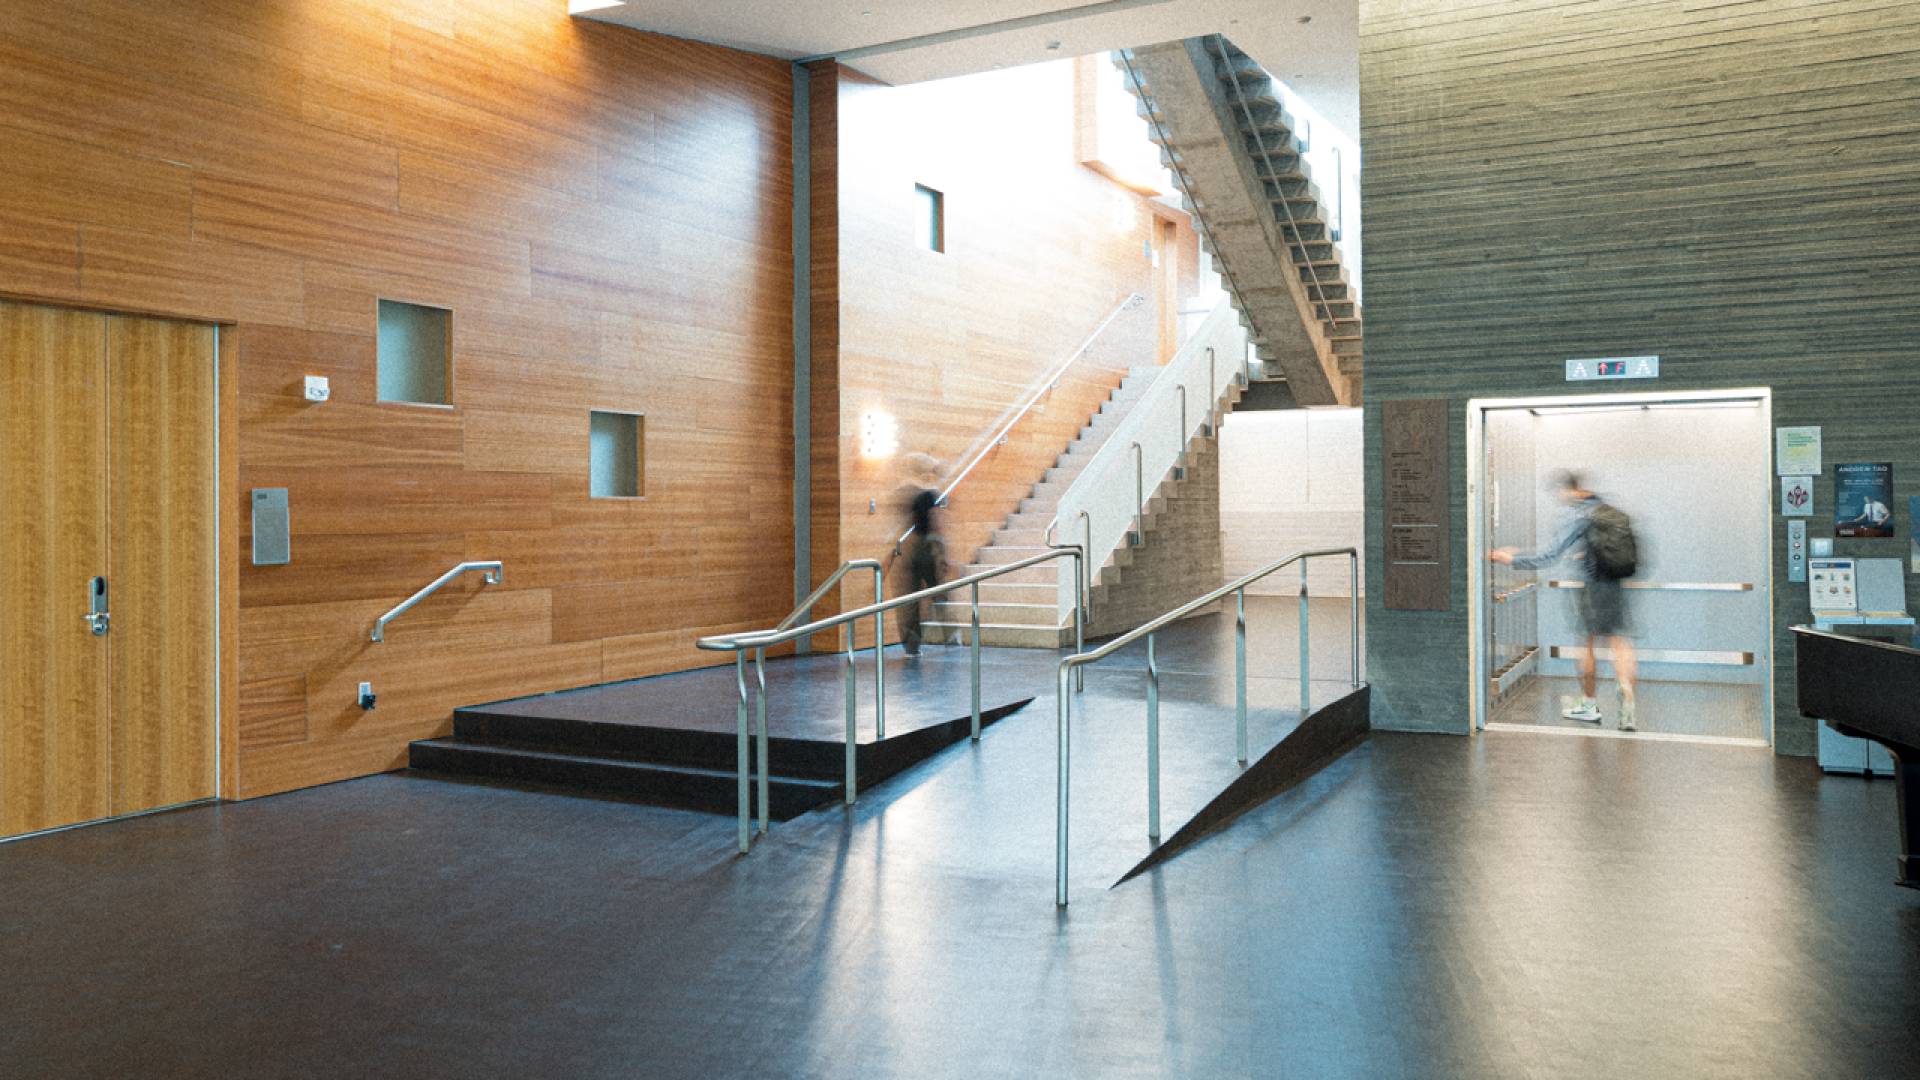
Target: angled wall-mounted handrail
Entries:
(491, 568)
(1041, 389)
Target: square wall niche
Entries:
(415, 358)
(618, 455)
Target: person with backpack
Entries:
(1609, 555)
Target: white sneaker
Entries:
(1583, 709)
(1627, 713)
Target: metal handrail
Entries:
(738, 644)
(1045, 386)
(492, 568)
(1237, 588)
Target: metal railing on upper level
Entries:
(491, 568)
(739, 644)
(1237, 589)
(1040, 389)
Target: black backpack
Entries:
(1611, 549)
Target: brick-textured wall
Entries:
(1731, 187)
(1179, 557)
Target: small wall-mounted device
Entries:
(365, 699)
(271, 528)
(317, 388)
(1796, 550)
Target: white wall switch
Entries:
(317, 388)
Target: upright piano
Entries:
(1871, 690)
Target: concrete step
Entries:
(997, 592)
(1023, 537)
(1001, 635)
(960, 614)
(1043, 574)
(996, 555)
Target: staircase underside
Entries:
(1288, 295)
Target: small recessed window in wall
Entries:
(930, 217)
(618, 453)
(415, 354)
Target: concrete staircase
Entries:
(1022, 609)
(1244, 176)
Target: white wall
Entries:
(1290, 481)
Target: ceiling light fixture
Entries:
(575, 7)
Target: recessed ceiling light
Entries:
(1053, 46)
(1305, 19)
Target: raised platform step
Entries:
(672, 740)
(1001, 635)
(683, 786)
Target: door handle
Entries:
(97, 616)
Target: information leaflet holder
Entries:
(1864, 598)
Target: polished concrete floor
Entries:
(1694, 710)
(1428, 906)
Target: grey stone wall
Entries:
(1732, 188)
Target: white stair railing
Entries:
(1183, 400)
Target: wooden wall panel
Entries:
(608, 215)
(1039, 249)
(1728, 186)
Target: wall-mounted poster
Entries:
(1863, 499)
(1913, 515)
(1796, 451)
(1796, 496)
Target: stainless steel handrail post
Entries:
(1353, 611)
(1140, 491)
(1240, 675)
(1153, 742)
(1182, 435)
(740, 679)
(853, 733)
(879, 659)
(1080, 602)
(760, 672)
(1213, 394)
(1063, 713)
(1086, 565)
(974, 589)
(1306, 643)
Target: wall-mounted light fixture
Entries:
(879, 435)
(575, 7)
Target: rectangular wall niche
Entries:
(415, 354)
(618, 453)
(930, 217)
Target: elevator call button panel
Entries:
(1831, 584)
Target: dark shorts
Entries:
(1603, 609)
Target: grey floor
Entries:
(1688, 709)
(1427, 906)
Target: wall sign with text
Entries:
(1618, 367)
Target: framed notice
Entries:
(1796, 451)
(1863, 500)
(1796, 496)
(1417, 573)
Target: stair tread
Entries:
(468, 746)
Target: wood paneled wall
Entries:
(1730, 186)
(606, 213)
(1039, 249)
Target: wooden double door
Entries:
(108, 565)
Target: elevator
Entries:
(1693, 472)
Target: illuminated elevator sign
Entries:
(1619, 367)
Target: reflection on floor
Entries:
(1690, 709)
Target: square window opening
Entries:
(617, 455)
(415, 354)
(930, 217)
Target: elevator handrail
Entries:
(1045, 386)
(760, 642)
(492, 568)
(1237, 588)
